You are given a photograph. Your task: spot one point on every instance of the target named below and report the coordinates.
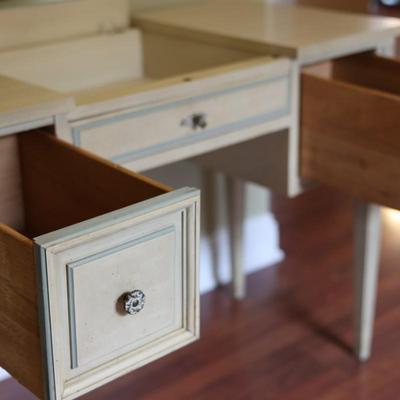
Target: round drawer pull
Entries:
(195, 121)
(134, 302)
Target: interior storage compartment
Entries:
(49, 184)
(350, 124)
(97, 68)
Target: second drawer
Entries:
(193, 111)
(350, 124)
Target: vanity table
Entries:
(265, 93)
(341, 78)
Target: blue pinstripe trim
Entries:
(190, 137)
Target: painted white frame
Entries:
(184, 202)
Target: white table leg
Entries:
(367, 250)
(210, 209)
(235, 190)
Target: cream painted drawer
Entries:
(350, 140)
(116, 256)
(207, 110)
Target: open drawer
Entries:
(98, 267)
(350, 126)
(194, 96)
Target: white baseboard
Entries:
(3, 375)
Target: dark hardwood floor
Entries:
(291, 338)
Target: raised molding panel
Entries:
(85, 271)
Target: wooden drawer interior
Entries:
(50, 184)
(102, 67)
(46, 185)
(350, 124)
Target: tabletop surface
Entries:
(290, 30)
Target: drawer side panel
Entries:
(20, 346)
(349, 139)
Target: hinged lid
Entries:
(308, 34)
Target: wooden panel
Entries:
(20, 349)
(11, 203)
(82, 63)
(350, 140)
(369, 70)
(28, 25)
(64, 185)
(263, 160)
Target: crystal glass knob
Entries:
(134, 302)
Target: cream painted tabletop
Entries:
(24, 104)
(301, 32)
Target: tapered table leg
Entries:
(235, 190)
(367, 250)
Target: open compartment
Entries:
(49, 184)
(350, 123)
(102, 67)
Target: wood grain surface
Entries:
(64, 185)
(20, 350)
(369, 70)
(11, 202)
(349, 138)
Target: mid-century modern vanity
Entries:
(98, 264)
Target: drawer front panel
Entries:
(100, 328)
(131, 135)
(89, 269)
